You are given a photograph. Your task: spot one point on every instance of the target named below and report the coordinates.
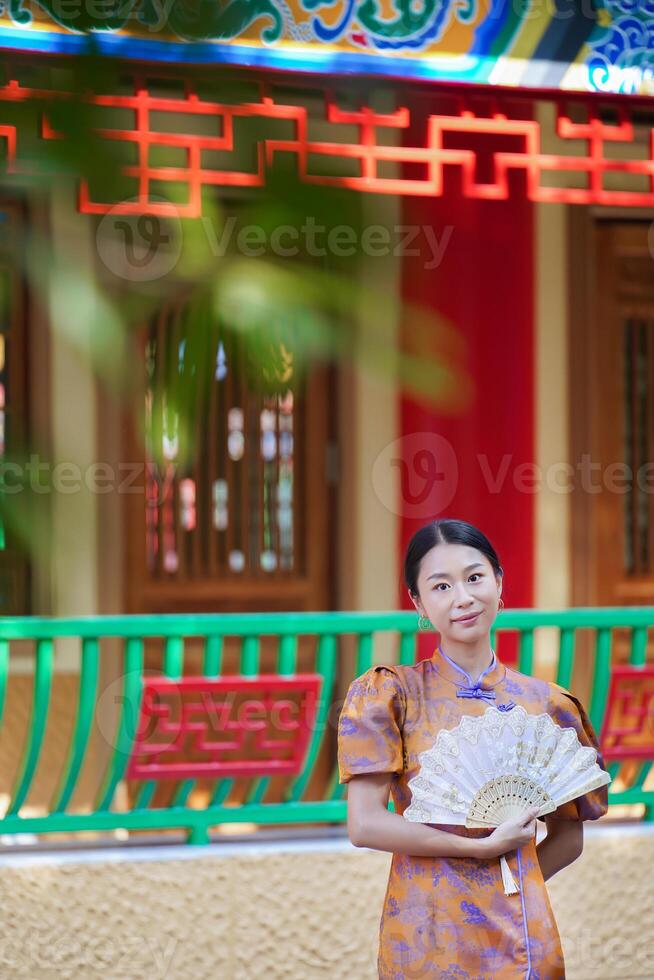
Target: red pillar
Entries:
(483, 285)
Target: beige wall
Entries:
(307, 912)
(369, 422)
(552, 581)
(552, 269)
(63, 335)
(73, 318)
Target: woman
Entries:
(445, 913)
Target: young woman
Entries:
(445, 914)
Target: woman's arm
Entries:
(371, 824)
(563, 845)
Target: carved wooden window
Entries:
(234, 453)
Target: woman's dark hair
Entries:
(445, 531)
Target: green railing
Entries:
(325, 632)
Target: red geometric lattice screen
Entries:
(594, 150)
(227, 726)
(628, 728)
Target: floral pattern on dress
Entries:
(448, 918)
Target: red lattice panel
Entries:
(231, 726)
(370, 154)
(628, 728)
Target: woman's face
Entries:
(458, 591)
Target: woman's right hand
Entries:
(511, 834)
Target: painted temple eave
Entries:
(508, 45)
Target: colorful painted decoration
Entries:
(601, 46)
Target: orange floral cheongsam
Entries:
(449, 918)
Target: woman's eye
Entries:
(440, 586)
(475, 575)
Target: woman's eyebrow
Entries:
(468, 568)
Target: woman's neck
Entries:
(473, 658)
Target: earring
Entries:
(424, 623)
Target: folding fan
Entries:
(494, 766)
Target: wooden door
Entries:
(612, 406)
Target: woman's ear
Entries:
(415, 603)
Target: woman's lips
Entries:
(468, 619)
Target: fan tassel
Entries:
(509, 882)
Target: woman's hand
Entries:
(371, 824)
(511, 834)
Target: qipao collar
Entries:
(468, 687)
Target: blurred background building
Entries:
(534, 186)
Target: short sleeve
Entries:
(568, 712)
(370, 725)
